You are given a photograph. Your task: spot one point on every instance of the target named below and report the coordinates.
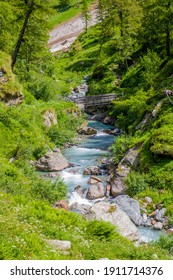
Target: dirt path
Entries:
(63, 36)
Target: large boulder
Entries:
(117, 185)
(113, 214)
(130, 206)
(96, 191)
(52, 161)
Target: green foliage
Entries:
(166, 242)
(28, 224)
(131, 110)
(120, 147)
(136, 183)
(162, 136)
(151, 63)
(42, 86)
(19, 178)
(9, 87)
(103, 230)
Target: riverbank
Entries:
(89, 188)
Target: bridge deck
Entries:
(95, 100)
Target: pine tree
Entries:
(86, 13)
(158, 25)
(121, 21)
(33, 31)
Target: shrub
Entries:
(120, 147)
(166, 242)
(136, 183)
(102, 230)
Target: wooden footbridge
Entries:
(94, 100)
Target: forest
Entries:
(129, 51)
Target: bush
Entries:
(136, 183)
(166, 242)
(42, 87)
(120, 147)
(130, 110)
(102, 230)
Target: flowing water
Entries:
(88, 153)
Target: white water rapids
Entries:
(88, 153)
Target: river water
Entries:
(87, 153)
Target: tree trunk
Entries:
(22, 33)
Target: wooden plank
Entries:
(94, 100)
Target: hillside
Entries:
(120, 54)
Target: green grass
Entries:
(25, 226)
(66, 14)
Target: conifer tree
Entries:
(86, 13)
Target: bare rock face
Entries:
(113, 214)
(52, 161)
(49, 118)
(96, 191)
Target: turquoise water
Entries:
(87, 153)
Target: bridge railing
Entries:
(95, 100)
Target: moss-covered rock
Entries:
(10, 89)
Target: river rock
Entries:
(96, 191)
(117, 185)
(83, 209)
(98, 117)
(170, 230)
(158, 225)
(160, 215)
(52, 161)
(92, 170)
(113, 214)
(62, 204)
(130, 206)
(108, 120)
(79, 190)
(87, 131)
(94, 180)
(62, 245)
